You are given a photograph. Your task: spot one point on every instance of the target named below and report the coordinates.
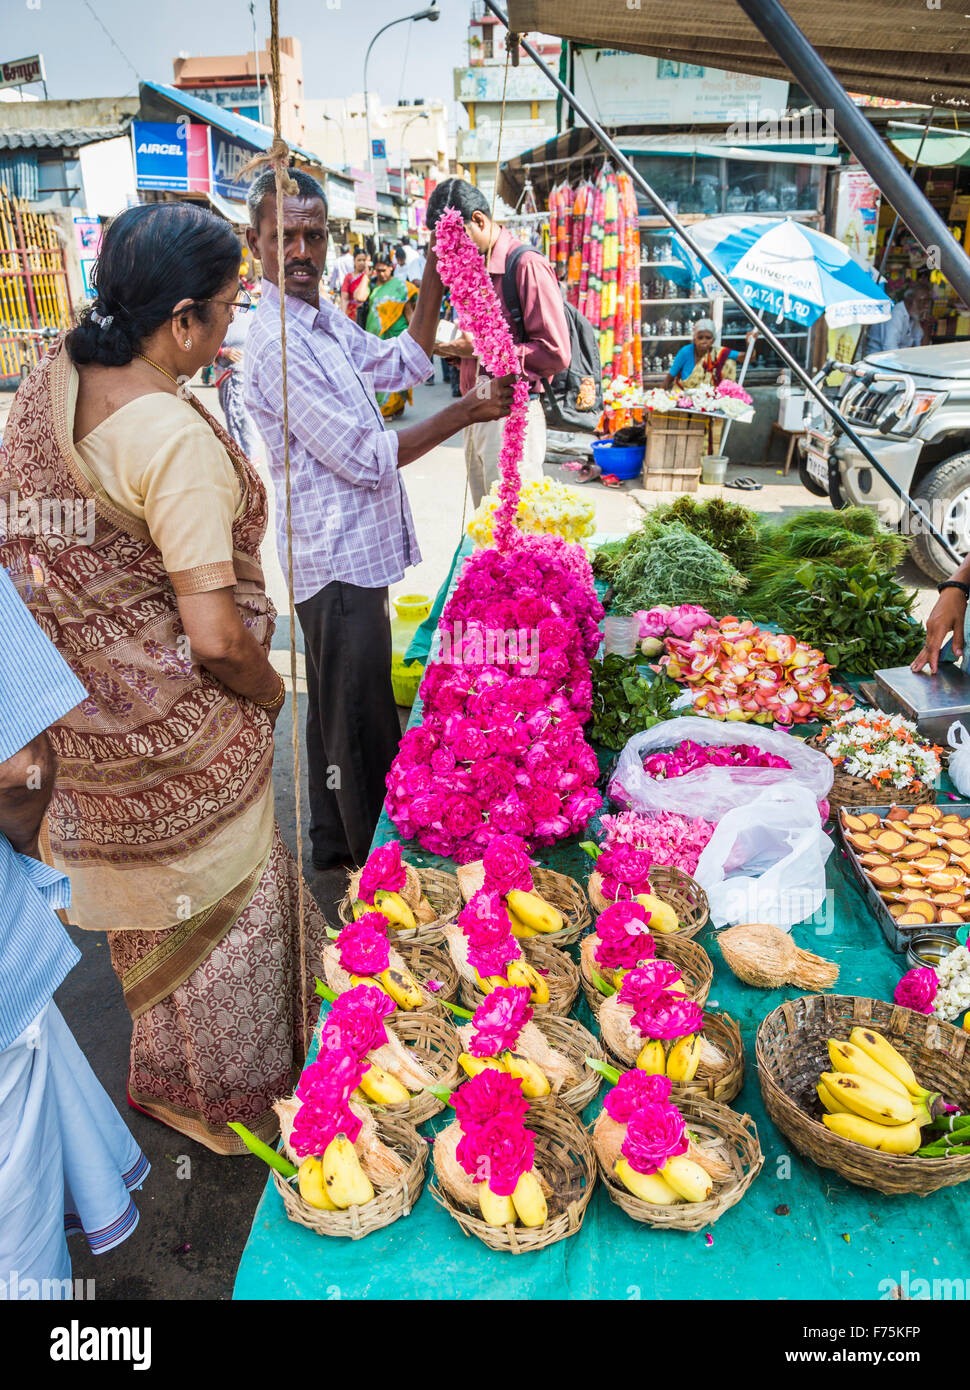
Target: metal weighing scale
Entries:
(931, 702)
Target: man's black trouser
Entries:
(352, 726)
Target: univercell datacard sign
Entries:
(173, 156)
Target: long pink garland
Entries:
(462, 268)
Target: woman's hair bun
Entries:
(112, 344)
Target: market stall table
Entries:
(799, 1232)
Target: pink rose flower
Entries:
(355, 1022)
(486, 926)
(363, 946)
(623, 938)
(483, 1097)
(634, 1090)
(383, 872)
(324, 1090)
(497, 1153)
(668, 1017)
(507, 865)
(917, 990)
(499, 1020)
(654, 1134)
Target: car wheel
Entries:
(946, 491)
(809, 483)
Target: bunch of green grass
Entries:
(670, 565)
(725, 526)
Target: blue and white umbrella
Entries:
(786, 268)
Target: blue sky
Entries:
(82, 62)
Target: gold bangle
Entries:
(277, 699)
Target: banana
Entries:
(395, 909)
(534, 1080)
(496, 1210)
(347, 1183)
(652, 1059)
(382, 1087)
(486, 983)
(687, 1178)
(882, 1051)
(662, 918)
(891, 1139)
(360, 909)
(474, 1065)
(649, 1187)
(402, 987)
(519, 929)
(534, 911)
(529, 1201)
(366, 980)
(846, 1057)
(868, 1099)
(520, 972)
(313, 1190)
(831, 1103)
(684, 1058)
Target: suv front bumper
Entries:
(861, 484)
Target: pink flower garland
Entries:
(478, 311)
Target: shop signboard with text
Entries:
(229, 157)
(171, 156)
(632, 89)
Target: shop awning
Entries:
(936, 150)
(901, 49)
(233, 211)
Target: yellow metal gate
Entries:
(35, 302)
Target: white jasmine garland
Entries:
(882, 749)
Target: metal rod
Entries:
(820, 83)
(770, 337)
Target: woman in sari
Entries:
(356, 286)
(162, 814)
(702, 363)
(389, 312)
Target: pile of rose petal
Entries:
(735, 671)
(690, 757)
(633, 843)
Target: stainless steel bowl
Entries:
(929, 948)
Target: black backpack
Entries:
(573, 398)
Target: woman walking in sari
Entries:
(389, 312)
(163, 810)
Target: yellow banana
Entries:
(649, 1187)
(869, 1099)
(520, 972)
(486, 983)
(529, 1201)
(347, 1183)
(534, 911)
(383, 1088)
(313, 1189)
(687, 1178)
(474, 1065)
(881, 1051)
(534, 1080)
(395, 909)
(365, 980)
(519, 929)
(496, 1210)
(684, 1058)
(360, 909)
(846, 1057)
(831, 1103)
(402, 987)
(652, 1059)
(662, 918)
(891, 1139)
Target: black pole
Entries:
(828, 94)
(830, 409)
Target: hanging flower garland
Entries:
(478, 311)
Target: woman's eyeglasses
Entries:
(244, 302)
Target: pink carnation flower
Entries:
(383, 872)
(654, 1134)
(632, 1092)
(917, 990)
(355, 1022)
(363, 946)
(499, 1020)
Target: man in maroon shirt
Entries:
(544, 333)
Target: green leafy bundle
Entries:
(674, 566)
(858, 616)
(853, 536)
(725, 526)
(625, 703)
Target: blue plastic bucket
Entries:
(622, 460)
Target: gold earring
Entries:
(188, 343)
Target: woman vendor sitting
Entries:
(699, 364)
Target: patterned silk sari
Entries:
(386, 319)
(164, 780)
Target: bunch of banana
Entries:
(680, 1179)
(389, 905)
(681, 1063)
(336, 1180)
(396, 981)
(517, 972)
(531, 915)
(663, 918)
(526, 1204)
(535, 1083)
(872, 1095)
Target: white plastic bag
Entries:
(959, 765)
(711, 792)
(766, 860)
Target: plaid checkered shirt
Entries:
(351, 518)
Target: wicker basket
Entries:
(706, 1120)
(691, 960)
(439, 888)
(683, 893)
(385, 1207)
(560, 974)
(791, 1054)
(564, 1156)
(856, 791)
(436, 1045)
(566, 896)
(723, 1086)
(429, 963)
(569, 1037)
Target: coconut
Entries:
(457, 943)
(763, 955)
(617, 1030)
(402, 1064)
(470, 877)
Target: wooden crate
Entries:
(675, 447)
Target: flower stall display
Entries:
(665, 838)
(487, 956)
(884, 750)
(735, 671)
(942, 991)
(539, 902)
(660, 622)
(501, 746)
(728, 400)
(546, 507)
(362, 954)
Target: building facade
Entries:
(239, 82)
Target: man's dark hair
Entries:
(910, 292)
(400, 254)
(264, 186)
(456, 193)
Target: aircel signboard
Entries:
(228, 157)
(173, 156)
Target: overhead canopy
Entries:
(935, 150)
(901, 49)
